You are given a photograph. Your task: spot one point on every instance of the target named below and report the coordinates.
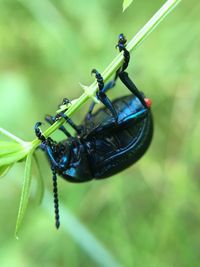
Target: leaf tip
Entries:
(126, 4)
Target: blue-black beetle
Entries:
(108, 141)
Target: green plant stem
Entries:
(116, 63)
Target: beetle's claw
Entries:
(122, 39)
(38, 131)
(121, 42)
(94, 71)
(66, 101)
(99, 79)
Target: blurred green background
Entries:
(148, 215)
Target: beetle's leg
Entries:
(124, 75)
(89, 114)
(131, 86)
(47, 143)
(49, 146)
(51, 119)
(101, 95)
(77, 128)
(122, 47)
(107, 87)
(38, 132)
(62, 114)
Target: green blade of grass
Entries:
(11, 152)
(11, 136)
(12, 157)
(9, 147)
(126, 4)
(25, 193)
(4, 169)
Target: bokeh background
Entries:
(148, 215)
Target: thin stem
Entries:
(12, 136)
(116, 63)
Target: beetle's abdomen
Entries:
(118, 151)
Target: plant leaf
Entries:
(4, 169)
(11, 136)
(25, 193)
(126, 4)
(12, 157)
(11, 152)
(9, 147)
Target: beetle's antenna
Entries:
(56, 200)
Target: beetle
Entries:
(108, 141)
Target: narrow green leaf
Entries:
(40, 183)
(4, 169)
(25, 193)
(11, 136)
(9, 147)
(13, 157)
(126, 4)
